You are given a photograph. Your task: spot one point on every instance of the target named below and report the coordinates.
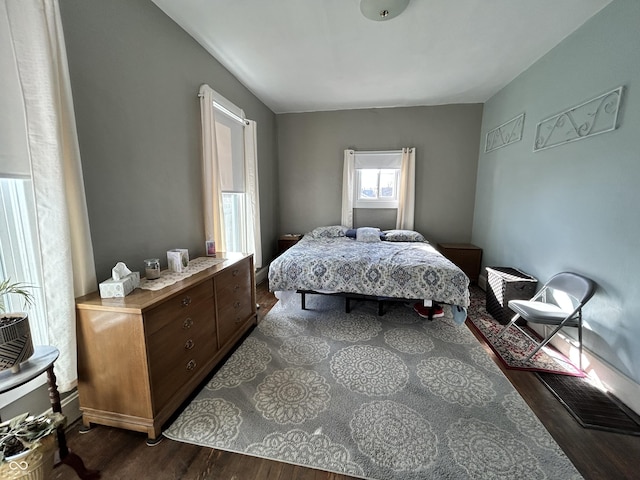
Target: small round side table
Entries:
(42, 360)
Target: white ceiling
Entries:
(313, 55)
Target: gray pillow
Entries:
(332, 231)
(403, 236)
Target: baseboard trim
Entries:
(70, 407)
(261, 274)
(621, 386)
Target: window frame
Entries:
(19, 262)
(384, 160)
(378, 201)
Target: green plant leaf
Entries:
(16, 288)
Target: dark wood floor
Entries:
(123, 455)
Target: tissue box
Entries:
(119, 288)
(178, 259)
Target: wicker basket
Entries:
(34, 464)
(504, 284)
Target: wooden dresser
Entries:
(141, 356)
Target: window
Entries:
(230, 148)
(377, 188)
(230, 166)
(377, 179)
(19, 257)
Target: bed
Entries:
(396, 264)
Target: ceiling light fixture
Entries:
(380, 10)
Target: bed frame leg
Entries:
(303, 300)
(347, 305)
(380, 308)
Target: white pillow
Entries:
(368, 234)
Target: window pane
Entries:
(369, 183)
(19, 251)
(234, 221)
(387, 184)
(376, 188)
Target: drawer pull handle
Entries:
(186, 301)
(235, 272)
(237, 305)
(188, 345)
(236, 288)
(238, 319)
(188, 323)
(191, 365)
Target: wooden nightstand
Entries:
(287, 241)
(466, 256)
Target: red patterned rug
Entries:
(513, 347)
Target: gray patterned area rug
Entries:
(390, 397)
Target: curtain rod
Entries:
(227, 112)
(379, 152)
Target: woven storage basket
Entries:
(504, 284)
(36, 464)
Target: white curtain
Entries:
(251, 187)
(68, 271)
(213, 213)
(407, 193)
(348, 178)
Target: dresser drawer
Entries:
(170, 373)
(178, 307)
(233, 313)
(233, 300)
(231, 281)
(178, 350)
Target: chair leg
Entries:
(544, 342)
(580, 342)
(506, 327)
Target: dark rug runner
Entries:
(590, 406)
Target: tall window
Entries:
(230, 148)
(19, 247)
(230, 174)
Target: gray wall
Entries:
(446, 138)
(135, 76)
(575, 206)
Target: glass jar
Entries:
(152, 268)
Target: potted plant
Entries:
(27, 446)
(16, 345)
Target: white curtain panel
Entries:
(407, 194)
(253, 194)
(348, 177)
(68, 268)
(213, 213)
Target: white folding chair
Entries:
(544, 308)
